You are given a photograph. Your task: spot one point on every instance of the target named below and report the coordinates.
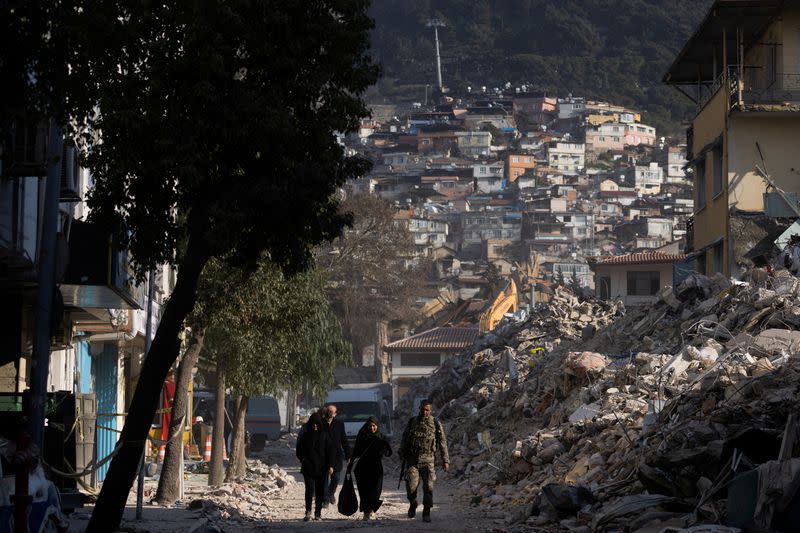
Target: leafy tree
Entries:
(214, 138)
(558, 277)
(274, 332)
(366, 279)
(574, 283)
(495, 278)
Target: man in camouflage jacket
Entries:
(422, 437)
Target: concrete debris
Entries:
(251, 499)
(640, 422)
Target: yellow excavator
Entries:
(507, 301)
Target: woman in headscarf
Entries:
(370, 449)
(316, 453)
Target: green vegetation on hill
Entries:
(616, 50)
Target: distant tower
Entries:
(436, 23)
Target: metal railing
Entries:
(782, 90)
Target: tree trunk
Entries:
(215, 471)
(163, 352)
(238, 463)
(169, 482)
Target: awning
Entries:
(695, 63)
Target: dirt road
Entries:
(449, 514)
(286, 508)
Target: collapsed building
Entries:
(586, 415)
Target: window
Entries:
(643, 283)
(700, 183)
(604, 287)
(719, 262)
(701, 264)
(716, 167)
(514, 159)
(419, 359)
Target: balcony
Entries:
(781, 93)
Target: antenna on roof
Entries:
(436, 23)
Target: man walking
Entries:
(422, 437)
(339, 436)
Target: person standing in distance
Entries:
(422, 438)
(338, 435)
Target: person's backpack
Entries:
(348, 502)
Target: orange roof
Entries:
(437, 339)
(403, 214)
(638, 258)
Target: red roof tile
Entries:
(443, 338)
(638, 258)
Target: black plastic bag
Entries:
(348, 502)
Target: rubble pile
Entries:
(647, 415)
(512, 349)
(251, 499)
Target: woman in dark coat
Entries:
(370, 449)
(316, 453)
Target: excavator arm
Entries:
(507, 301)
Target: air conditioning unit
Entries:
(70, 173)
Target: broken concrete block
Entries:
(585, 412)
(578, 470)
(582, 363)
(776, 341)
(566, 499)
(674, 369)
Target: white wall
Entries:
(619, 281)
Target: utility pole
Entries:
(436, 23)
(47, 287)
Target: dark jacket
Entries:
(315, 450)
(370, 449)
(338, 435)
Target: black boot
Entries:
(412, 509)
(426, 514)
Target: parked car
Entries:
(262, 421)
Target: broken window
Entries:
(643, 283)
(419, 359)
(719, 258)
(700, 184)
(716, 162)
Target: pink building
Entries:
(615, 136)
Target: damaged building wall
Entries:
(776, 134)
(636, 290)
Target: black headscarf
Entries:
(365, 432)
(316, 418)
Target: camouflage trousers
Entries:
(425, 472)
